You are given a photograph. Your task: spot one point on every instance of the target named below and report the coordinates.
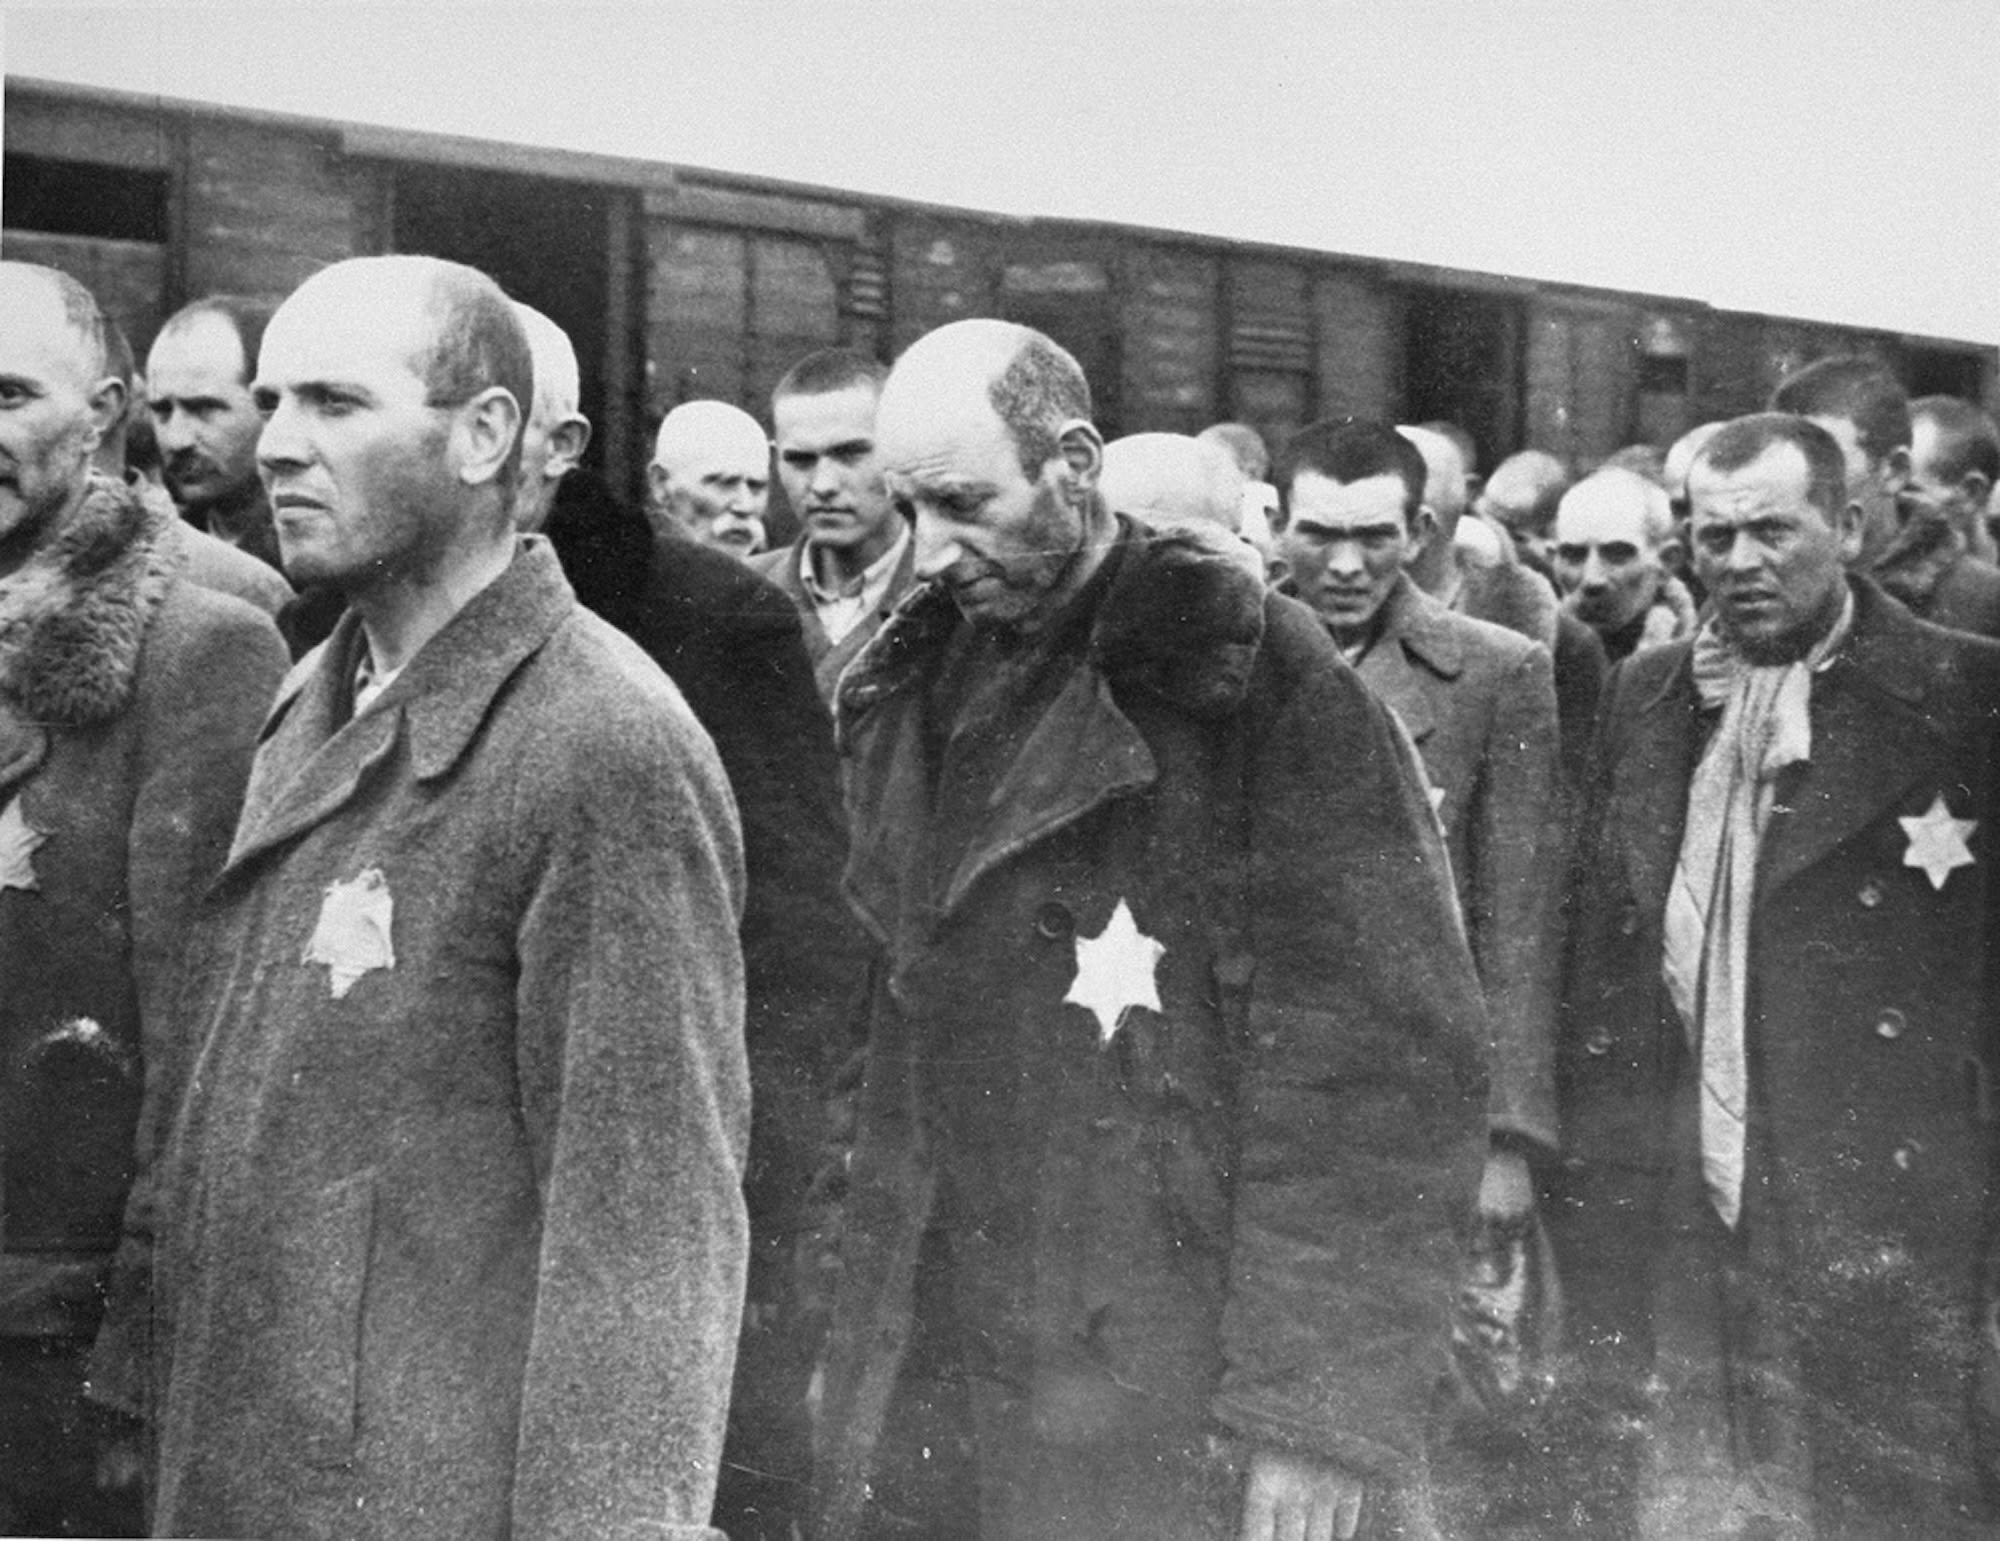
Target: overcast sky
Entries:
(1836, 160)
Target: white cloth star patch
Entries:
(1937, 842)
(1115, 971)
(353, 934)
(18, 842)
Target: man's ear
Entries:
(1975, 487)
(486, 428)
(658, 484)
(1896, 469)
(1423, 530)
(567, 442)
(1082, 450)
(1674, 557)
(1848, 527)
(107, 406)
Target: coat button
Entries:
(1055, 922)
(1891, 1023)
(1598, 1044)
(1904, 1155)
(1870, 895)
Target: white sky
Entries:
(1836, 160)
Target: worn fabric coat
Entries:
(129, 704)
(1520, 599)
(831, 658)
(1479, 703)
(453, 1238)
(1874, 999)
(1231, 1212)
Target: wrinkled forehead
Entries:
(1779, 478)
(1600, 516)
(946, 424)
(324, 333)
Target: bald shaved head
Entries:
(555, 434)
(1680, 456)
(1034, 385)
(1169, 480)
(711, 474)
(1444, 476)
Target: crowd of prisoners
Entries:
(1172, 988)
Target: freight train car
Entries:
(678, 283)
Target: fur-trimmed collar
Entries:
(1181, 620)
(74, 615)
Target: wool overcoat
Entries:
(1231, 1203)
(1874, 983)
(1479, 703)
(453, 1241)
(129, 704)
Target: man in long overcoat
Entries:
(129, 704)
(1778, 1051)
(1175, 1080)
(454, 1237)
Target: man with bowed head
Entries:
(454, 1235)
(1175, 1078)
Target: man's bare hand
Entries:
(1295, 1498)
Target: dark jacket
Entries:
(1479, 703)
(454, 1236)
(1520, 599)
(129, 703)
(1874, 999)
(732, 643)
(1239, 1206)
(828, 657)
(1928, 568)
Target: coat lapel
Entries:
(1412, 660)
(312, 763)
(1648, 814)
(1083, 752)
(1871, 743)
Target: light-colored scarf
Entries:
(1766, 726)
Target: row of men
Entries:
(1202, 1010)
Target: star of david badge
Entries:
(1114, 972)
(18, 842)
(353, 936)
(1937, 841)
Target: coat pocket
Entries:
(324, 1271)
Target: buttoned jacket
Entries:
(452, 1232)
(1874, 975)
(1479, 703)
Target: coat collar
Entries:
(1873, 733)
(313, 759)
(74, 615)
(1182, 621)
(1421, 628)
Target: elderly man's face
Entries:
(48, 427)
(1772, 562)
(719, 495)
(356, 462)
(1346, 543)
(204, 418)
(999, 540)
(1604, 560)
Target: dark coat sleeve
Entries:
(1362, 1103)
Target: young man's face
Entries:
(1346, 543)
(832, 473)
